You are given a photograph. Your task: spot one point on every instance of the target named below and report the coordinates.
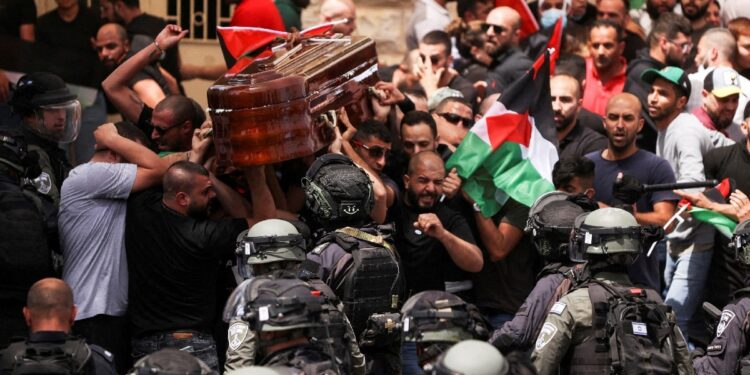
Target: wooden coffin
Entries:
(273, 110)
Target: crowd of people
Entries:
(126, 245)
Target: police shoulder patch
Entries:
(726, 317)
(237, 334)
(558, 308)
(545, 335)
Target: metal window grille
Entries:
(199, 16)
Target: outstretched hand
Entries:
(170, 36)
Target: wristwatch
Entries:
(476, 207)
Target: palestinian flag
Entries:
(529, 25)
(242, 45)
(722, 223)
(510, 151)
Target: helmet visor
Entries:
(59, 122)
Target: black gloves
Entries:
(626, 190)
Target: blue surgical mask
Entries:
(550, 16)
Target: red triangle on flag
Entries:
(509, 127)
(724, 187)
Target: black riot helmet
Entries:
(436, 320)
(170, 361)
(550, 222)
(741, 243)
(56, 110)
(337, 193)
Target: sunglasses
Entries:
(455, 119)
(496, 29)
(434, 59)
(162, 131)
(375, 152)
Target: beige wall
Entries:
(383, 20)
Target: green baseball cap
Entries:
(672, 74)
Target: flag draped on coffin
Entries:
(242, 45)
(510, 152)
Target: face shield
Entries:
(58, 122)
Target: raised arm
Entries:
(150, 168)
(116, 84)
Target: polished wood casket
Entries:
(274, 109)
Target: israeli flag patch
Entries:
(558, 308)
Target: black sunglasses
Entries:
(162, 131)
(375, 152)
(454, 119)
(434, 59)
(496, 29)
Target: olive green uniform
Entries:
(570, 323)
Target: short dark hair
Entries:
(438, 37)
(605, 24)
(417, 118)
(372, 128)
(452, 99)
(669, 25)
(131, 3)
(179, 177)
(566, 169)
(572, 65)
(463, 6)
(127, 129)
(183, 109)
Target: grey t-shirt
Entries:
(683, 144)
(92, 233)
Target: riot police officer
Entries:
(51, 115)
(436, 320)
(608, 324)
(50, 348)
(550, 222)
(471, 357)
(274, 248)
(728, 352)
(351, 254)
(295, 325)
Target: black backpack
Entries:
(634, 327)
(373, 282)
(43, 358)
(25, 255)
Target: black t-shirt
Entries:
(502, 286)
(581, 141)
(70, 46)
(151, 26)
(726, 162)
(591, 120)
(426, 262)
(14, 13)
(173, 265)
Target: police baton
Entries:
(680, 185)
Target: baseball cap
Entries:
(442, 94)
(672, 74)
(722, 82)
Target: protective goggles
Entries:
(256, 246)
